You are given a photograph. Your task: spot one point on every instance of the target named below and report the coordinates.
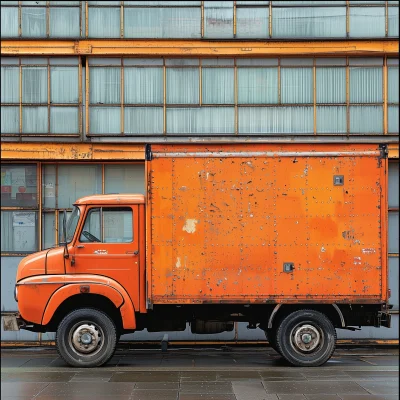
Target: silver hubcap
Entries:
(86, 338)
(306, 338)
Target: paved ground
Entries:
(201, 373)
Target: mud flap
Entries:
(11, 323)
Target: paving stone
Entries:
(251, 391)
(157, 385)
(238, 375)
(92, 377)
(38, 376)
(151, 376)
(205, 396)
(292, 397)
(326, 397)
(22, 388)
(206, 387)
(188, 376)
(154, 394)
(368, 397)
(381, 388)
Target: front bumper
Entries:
(13, 322)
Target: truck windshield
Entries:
(72, 224)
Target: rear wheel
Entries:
(270, 334)
(86, 338)
(306, 338)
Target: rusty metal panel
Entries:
(228, 223)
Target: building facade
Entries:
(86, 84)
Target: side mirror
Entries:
(64, 235)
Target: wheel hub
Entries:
(306, 338)
(86, 338)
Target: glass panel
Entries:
(144, 120)
(296, 85)
(34, 85)
(10, 85)
(33, 22)
(49, 186)
(275, 120)
(394, 281)
(365, 85)
(105, 85)
(366, 119)
(125, 178)
(206, 120)
(143, 85)
(18, 185)
(9, 119)
(257, 85)
(218, 85)
(331, 85)
(328, 22)
(163, 3)
(393, 119)
(367, 22)
(331, 120)
(180, 62)
(362, 61)
(33, 3)
(393, 184)
(71, 222)
(296, 62)
(64, 22)
(218, 19)
(162, 23)
(49, 231)
(393, 232)
(118, 225)
(182, 86)
(18, 231)
(60, 224)
(256, 62)
(252, 23)
(393, 22)
(64, 120)
(105, 120)
(393, 84)
(34, 120)
(91, 230)
(76, 181)
(104, 22)
(9, 22)
(64, 84)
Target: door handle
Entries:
(135, 253)
(80, 246)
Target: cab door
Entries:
(108, 245)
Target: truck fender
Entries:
(117, 296)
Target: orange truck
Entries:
(291, 239)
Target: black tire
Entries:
(86, 324)
(294, 332)
(270, 334)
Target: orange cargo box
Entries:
(262, 223)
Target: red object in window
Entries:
(22, 189)
(6, 189)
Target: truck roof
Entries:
(114, 198)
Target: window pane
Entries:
(105, 120)
(276, 120)
(365, 85)
(9, 119)
(125, 178)
(393, 84)
(105, 85)
(206, 120)
(218, 19)
(144, 120)
(34, 119)
(393, 119)
(297, 85)
(33, 22)
(329, 22)
(218, 85)
(393, 184)
(367, 22)
(9, 22)
(366, 119)
(104, 22)
(64, 22)
(64, 120)
(18, 231)
(331, 120)
(91, 229)
(331, 85)
(18, 185)
(49, 230)
(394, 281)
(182, 86)
(49, 186)
(64, 84)
(9, 84)
(393, 232)
(60, 237)
(164, 23)
(252, 23)
(75, 181)
(118, 225)
(143, 85)
(393, 21)
(257, 85)
(34, 85)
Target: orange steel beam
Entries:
(72, 151)
(393, 150)
(182, 48)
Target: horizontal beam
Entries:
(71, 152)
(183, 48)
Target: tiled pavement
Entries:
(201, 373)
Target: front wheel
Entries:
(306, 338)
(86, 338)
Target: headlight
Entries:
(16, 293)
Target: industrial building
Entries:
(85, 85)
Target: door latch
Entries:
(288, 267)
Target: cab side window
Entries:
(108, 225)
